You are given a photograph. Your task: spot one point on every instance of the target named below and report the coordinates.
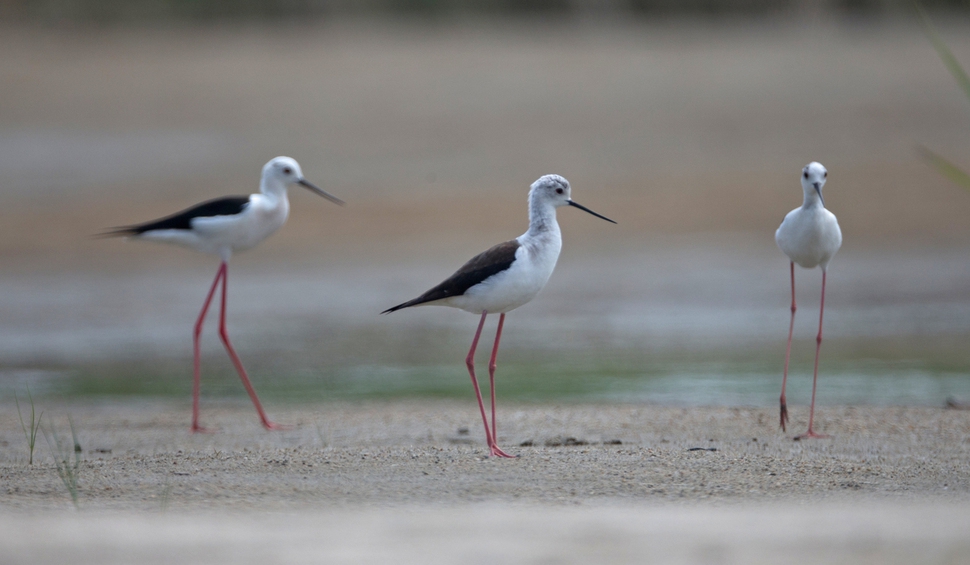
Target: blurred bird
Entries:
(505, 277)
(810, 236)
(220, 227)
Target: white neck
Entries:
(273, 188)
(542, 217)
(811, 196)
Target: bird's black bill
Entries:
(585, 209)
(818, 189)
(311, 187)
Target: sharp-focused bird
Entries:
(221, 227)
(505, 277)
(810, 236)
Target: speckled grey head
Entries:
(554, 190)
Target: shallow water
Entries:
(674, 336)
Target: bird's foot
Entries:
(784, 415)
(197, 429)
(495, 451)
(272, 426)
(812, 435)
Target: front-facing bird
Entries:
(810, 236)
(505, 277)
(221, 227)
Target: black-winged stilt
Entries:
(810, 236)
(504, 278)
(220, 227)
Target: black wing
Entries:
(476, 270)
(228, 206)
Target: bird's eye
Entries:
(805, 174)
(558, 191)
(287, 170)
(825, 175)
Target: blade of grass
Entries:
(166, 496)
(31, 435)
(67, 471)
(943, 50)
(949, 170)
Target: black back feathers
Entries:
(476, 270)
(228, 206)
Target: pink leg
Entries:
(197, 355)
(496, 452)
(791, 328)
(470, 363)
(235, 358)
(818, 346)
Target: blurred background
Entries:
(687, 122)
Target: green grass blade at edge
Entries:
(66, 472)
(31, 436)
(951, 171)
(943, 50)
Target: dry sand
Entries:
(139, 456)
(362, 482)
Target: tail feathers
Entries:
(121, 231)
(408, 304)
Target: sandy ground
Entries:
(139, 456)
(359, 482)
(874, 533)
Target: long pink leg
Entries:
(494, 448)
(197, 357)
(470, 363)
(791, 328)
(235, 358)
(818, 346)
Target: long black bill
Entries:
(818, 189)
(312, 188)
(585, 209)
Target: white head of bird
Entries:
(282, 172)
(813, 179)
(548, 193)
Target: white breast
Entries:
(809, 236)
(535, 260)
